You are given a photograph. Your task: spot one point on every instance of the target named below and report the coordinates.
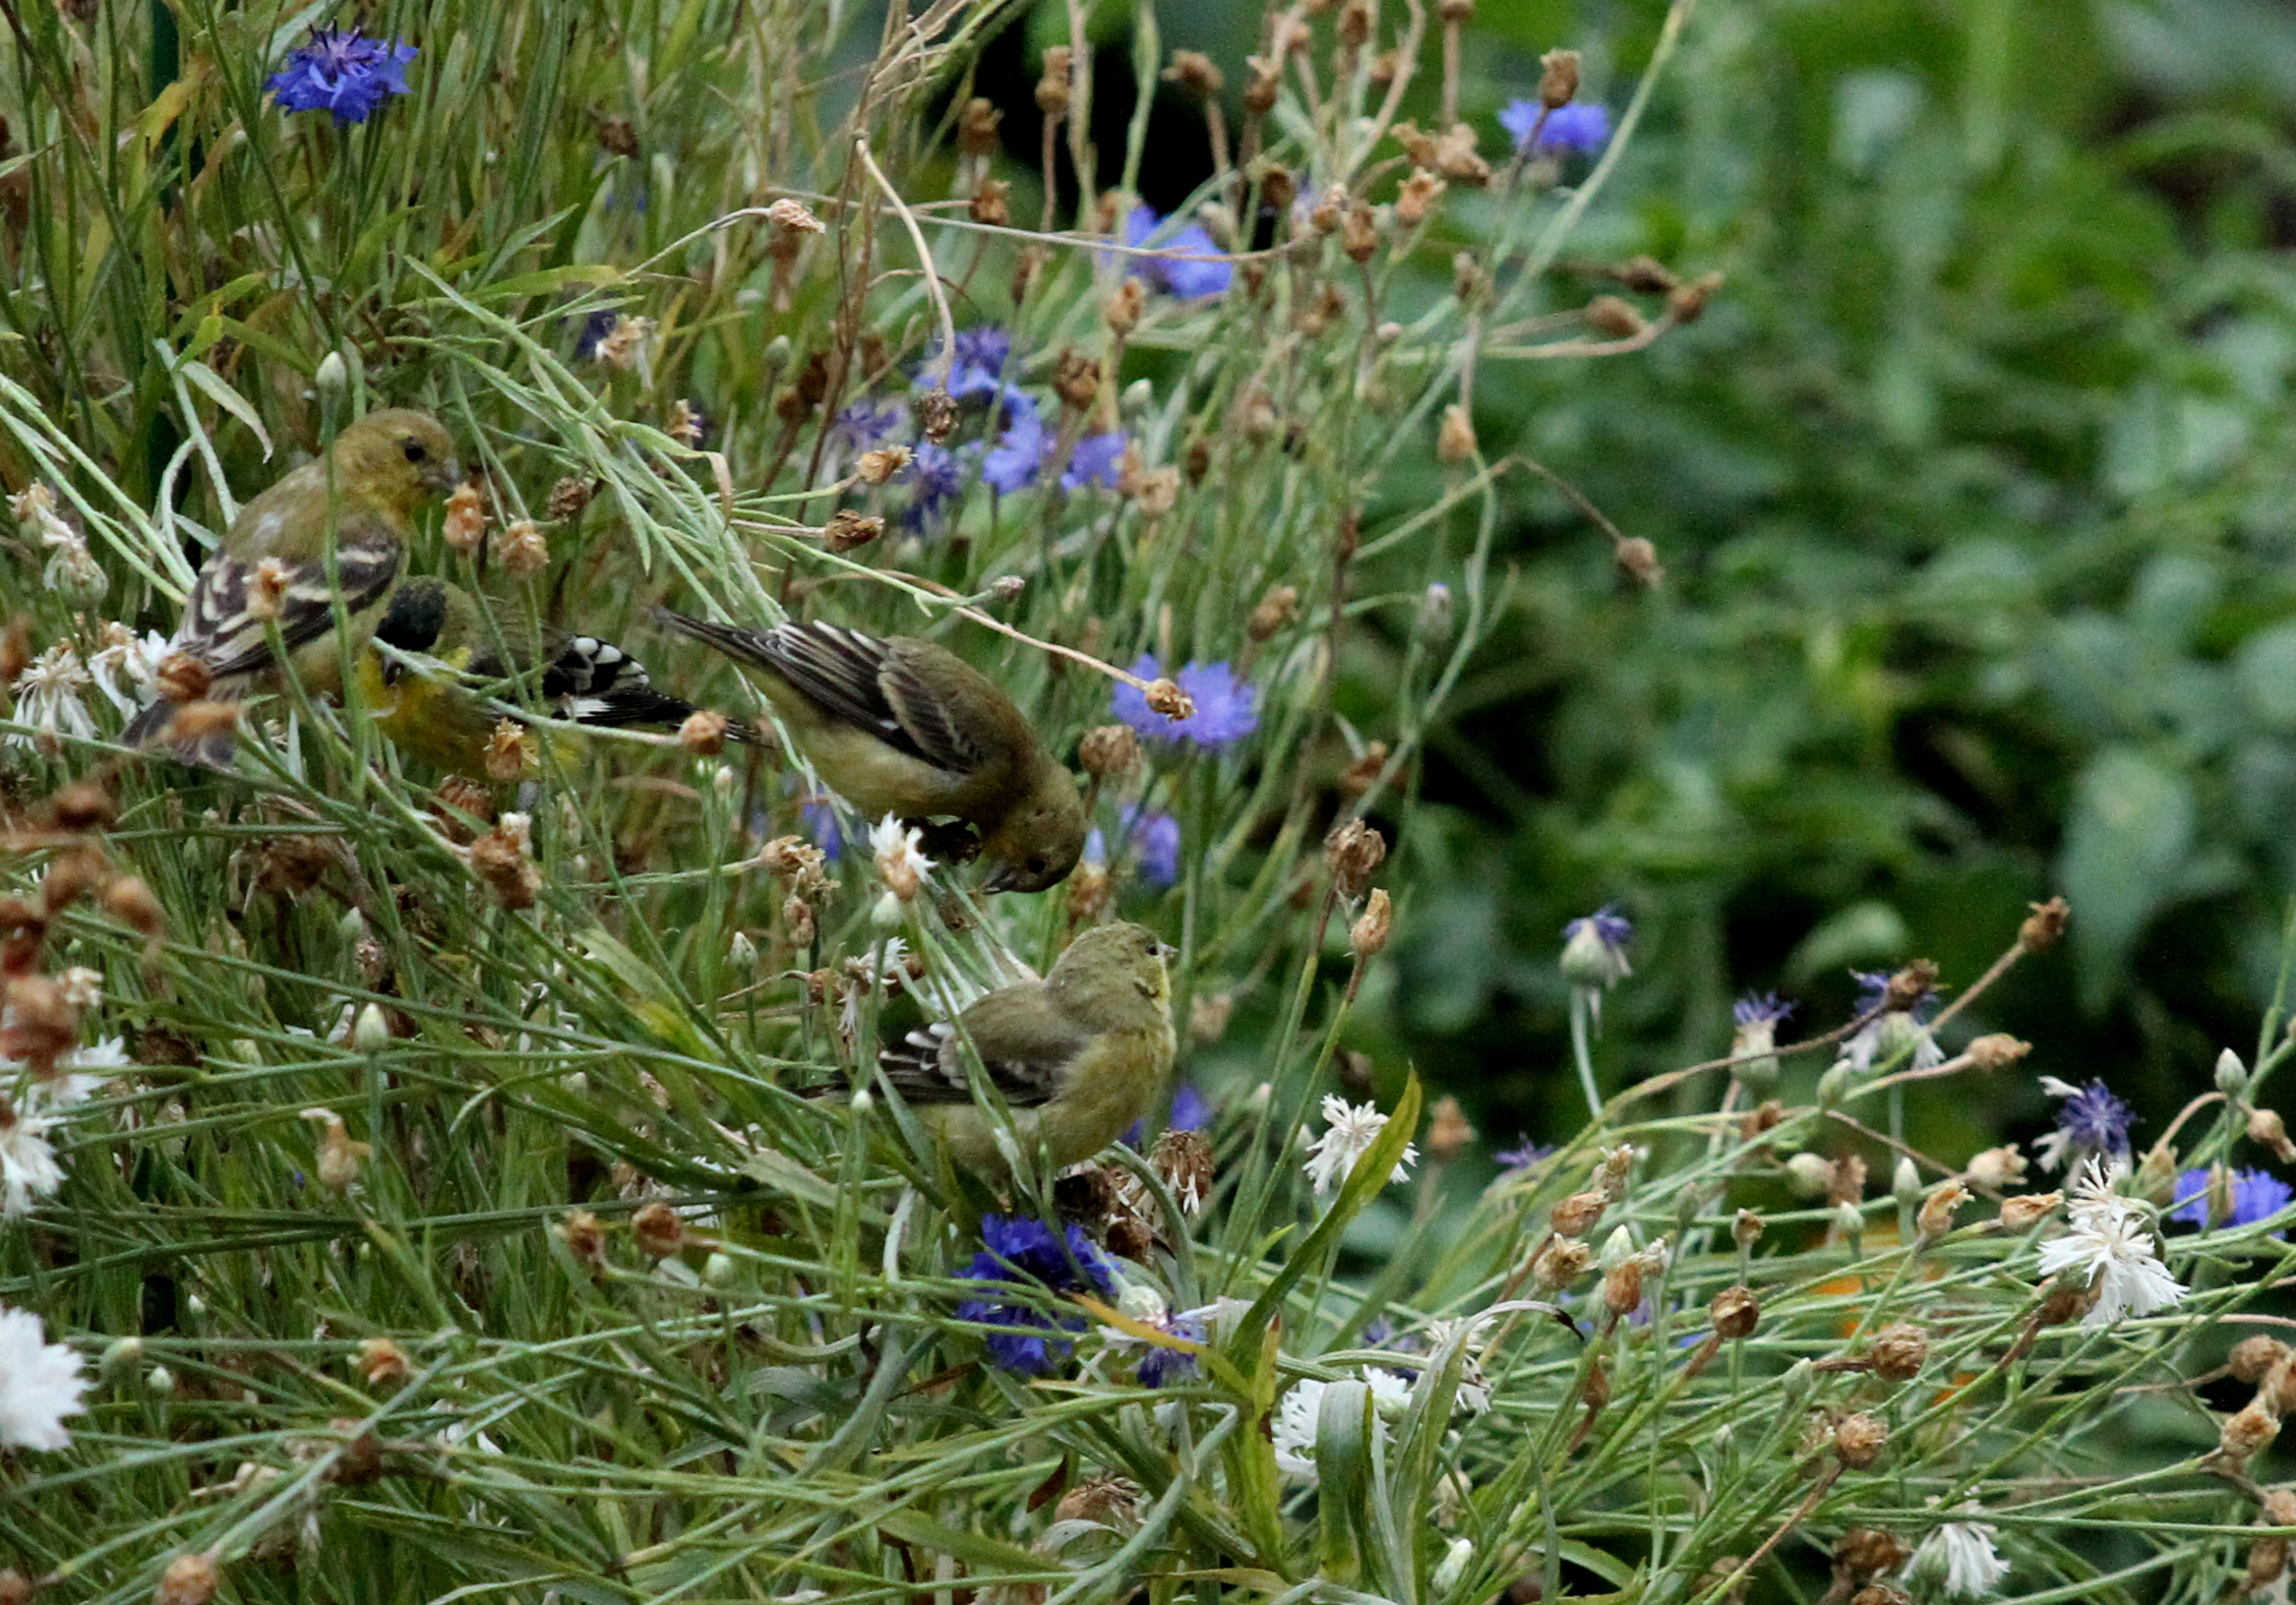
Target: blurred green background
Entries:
(1975, 496)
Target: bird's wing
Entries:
(953, 712)
(220, 625)
(843, 672)
(1026, 1047)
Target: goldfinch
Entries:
(903, 727)
(1077, 1057)
(272, 567)
(445, 719)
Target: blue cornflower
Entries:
(1199, 274)
(1758, 1009)
(2255, 1195)
(1192, 1110)
(595, 328)
(1594, 948)
(346, 74)
(2090, 1122)
(822, 827)
(1524, 1155)
(934, 477)
(1575, 126)
(1222, 698)
(1097, 461)
(978, 371)
(1013, 462)
(1163, 1366)
(1893, 1031)
(868, 423)
(1022, 1251)
(1159, 837)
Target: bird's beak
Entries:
(1001, 877)
(1164, 950)
(443, 476)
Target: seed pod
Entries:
(1863, 1552)
(1561, 1262)
(584, 1236)
(1558, 78)
(2266, 1127)
(2020, 1213)
(977, 134)
(849, 530)
(189, 1579)
(1997, 1050)
(1053, 88)
(1576, 1215)
(2045, 926)
(1898, 1351)
(2253, 1357)
(658, 1231)
(522, 550)
(1352, 853)
(1936, 1216)
(1368, 937)
(568, 498)
(1735, 1313)
(1859, 1439)
(2247, 1430)
(1614, 318)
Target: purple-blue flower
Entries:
(1024, 1252)
(1575, 126)
(1761, 1009)
(343, 73)
(978, 371)
(1159, 838)
(868, 423)
(2256, 1195)
(1097, 461)
(1594, 948)
(1223, 698)
(1524, 1155)
(1163, 1366)
(934, 477)
(1012, 464)
(822, 827)
(1192, 1110)
(2091, 1121)
(1873, 990)
(1201, 272)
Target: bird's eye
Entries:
(1036, 865)
(414, 451)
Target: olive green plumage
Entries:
(901, 726)
(272, 567)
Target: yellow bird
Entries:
(445, 718)
(1077, 1057)
(901, 726)
(271, 568)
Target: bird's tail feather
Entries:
(749, 645)
(149, 729)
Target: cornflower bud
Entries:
(2231, 1074)
(1997, 1050)
(371, 1031)
(464, 525)
(1811, 1174)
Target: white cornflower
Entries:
(79, 1073)
(2110, 1246)
(49, 695)
(899, 864)
(126, 666)
(28, 1164)
(73, 570)
(1351, 1132)
(39, 1384)
(1959, 1556)
(83, 986)
(1892, 1031)
(1293, 1430)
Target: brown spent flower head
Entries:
(849, 530)
(1155, 492)
(2279, 1507)
(522, 550)
(41, 1025)
(1448, 1130)
(72, 878)
(1997, 1050)
(584, 1236)
(793, 216)
(2063, 1299)
(1762, 1118)
(189, 1579)
(2252, 1358)
(878, 466)
(1622, 1286)
(937, 414)
(2268, 1559)
(1998, 1168)
(1354, 852)
(1261, 88)
(1109, 750)
(507, 757)
(1686, 303)
(1166, 697)
(2247, 1430)
(624, 343)
(1561, 1262)
(1274, 611)
(976, 124)
(798, 916)
(340, 1157)
(1455, 439)
(1415, 200)
(1858, 1439)
(1558, 78)
(1881, 1593)
(15, 648)
(80, 807)
(1053, 87)
(1846, 1183)
(1935, 1217)
(658, 1231)
(1368, 940)
(1898, 1351)
(267, 587)
(1910, 987)
(1735, 1312)
(1746, 1228)
(1359, 233)
(1121, 311)
(569, 496)
(1208, 1015)
(704, 732)
(2266, 1127)
(1091, 893)
(383, 1362)
(1184, 1159)
(2278, 1392)
(1865, 1552)
(1329, 209)
(1076, 378)
(2046, 927)
(1615, 1170)
(182, 677)
(14, 1587)
(1354, 28)
(1614, 318)
(499, 858)
(991, 204)
(688, 425)
(1193, 73)
(464, 526)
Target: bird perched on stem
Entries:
(446, 718)
(275, 570)
(1076, 1057)
(901, 726)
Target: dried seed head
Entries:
(72, 878)
(616, 136)
(464, 526)
(793, 216)
(1735, 1313)
(1637, 561)
(182, 677)
(1109, 750)
(798, 916)
(2266, 1127)
(128, 900)
(507, 755)
(2063, 1299)
(14, 1587)
(1561, 1262)
(878, 466)
(1091, 893)
(1997, 1050)
(2279, 1507)
(1615, 1170)
(1558, 78)
(1076, 380)
(500, 860)
(1686, 303)
(383, 1362)
(1448, 1130)
(584, 1236)
(1935, 1217)
(1354, 28)
(1858, 1439)
(1623, 1287)
(1998, 1168)
(2247, 1430)
(1746, 1228)
(189, 1579)
(83, 806)
(1121, 310)
(624, 343)
(1166, 697)
(522, 550)
(704, 732)
(2252, 1358)
(1881, 1593)
(1368, 937)
(266, 586)
(1194, 74)
(1576, 1215)
(991, 204)
(936, 415)
(1762, 1118)
(1864, 1552)
(2045, 926)
(658, 1231)
(1184, 1159)
(1352, 853)
(1416, 201)
(1261, 88)
(1112, 1502)
(568, 497)
(1898, 1351)
(1614, 318)
(1275, 610)
(977, 134)
(1359, 233)
(1208, 1015)
(2268, 1559)
(1155, 492)
(340, 1157)
(1053, 87)
(849, 530)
